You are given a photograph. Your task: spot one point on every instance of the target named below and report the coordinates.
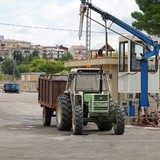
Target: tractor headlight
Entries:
(96, 104)
(105, 104)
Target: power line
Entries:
(48, 28)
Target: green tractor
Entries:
(87, 99)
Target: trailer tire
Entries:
(77, 120)
(119, 125)
(105, 126)
(46, 116)
(64, 113)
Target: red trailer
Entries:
(49, 88)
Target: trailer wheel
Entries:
(119, 125)
(46, 116)
(77, 120)
(105, 126)
(64, 113)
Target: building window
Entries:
(26, 51)
(136, 51)
(123, 54)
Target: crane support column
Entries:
(144, 103)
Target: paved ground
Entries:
(22, 137)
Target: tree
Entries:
(17, 56)
(35, 54)
(23, 68)
(1, 59)
(149, 19)
(44, 65)
(2, 76)
(20, 59)
(7, 66)
(66, 57)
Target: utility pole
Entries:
(88, 30)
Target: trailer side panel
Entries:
(49, 88)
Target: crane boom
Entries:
(147, 40)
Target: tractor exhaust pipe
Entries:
(101, 80)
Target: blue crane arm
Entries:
(144, 102)
(127, 27)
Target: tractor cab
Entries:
(88, 80)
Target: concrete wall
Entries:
(28, 86)
(24, 86)
(31, 76)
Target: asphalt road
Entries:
(22, 137)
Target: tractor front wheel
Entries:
(119, 125)
(77, 120)
(64, 113)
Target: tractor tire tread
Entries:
(120, 121)
(66, 113)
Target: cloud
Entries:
(65, 15)
(59, 14)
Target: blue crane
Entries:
(144, 102)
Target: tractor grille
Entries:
(100, 108)
(100, 98)
(101, 103)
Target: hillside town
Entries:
(9, 46)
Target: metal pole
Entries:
(106, 47)
(88, 30)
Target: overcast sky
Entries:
(57, 15)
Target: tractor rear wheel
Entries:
(46, 116)
(64, 113)
(119, 125)
(105, 126)
(77, 120)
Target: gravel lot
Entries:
(22, 137)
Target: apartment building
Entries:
(9, 46)
(78, 51)
(53, 52)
